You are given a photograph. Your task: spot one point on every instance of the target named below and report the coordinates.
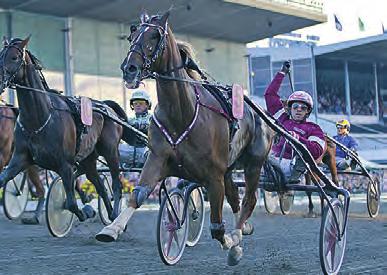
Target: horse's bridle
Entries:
(8, 82)
(8, 77)
(137, 48)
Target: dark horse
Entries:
(188, 137)
(46, 131)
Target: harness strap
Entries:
(33, 132)
(186, 131)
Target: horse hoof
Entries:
(234, 255)
(107, 235)
(30, 220)
(89, 211)
(247, 229)
(87, 198)
(228, 242)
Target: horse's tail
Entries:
(128, 136)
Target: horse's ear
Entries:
(5, 41)
(24, 43)
(144, 17)
(164, 19)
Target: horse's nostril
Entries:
(132, 69)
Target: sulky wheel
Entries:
(16, 196)
(270, 199)
(171, 236)
(103, 214)
(331, 248)
(195, 214)
(286, 200)
(59, 219)
(373, 197)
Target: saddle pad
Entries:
(237, 101)
(86, 111)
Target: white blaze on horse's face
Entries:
(134, 61)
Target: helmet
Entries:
(302, 97)
(343, 123)
(140, 95)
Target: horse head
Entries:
(148, 41)
(13, 58)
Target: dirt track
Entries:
(279, 245)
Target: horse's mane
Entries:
(187, 49)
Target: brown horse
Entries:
(188, 137)
(46, 131)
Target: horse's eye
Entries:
(14, 58)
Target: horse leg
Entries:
(216, 192)
(113, 163)
(232, 196)
(252, 174)
(33, 177)
(89, 166)
(153, 171)
(18, 163)
(85, 198)
(308, 181)
(67, 175)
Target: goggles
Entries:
(139, 102)
(341, 127)
(302, 106)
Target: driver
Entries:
(135, 156)
(299, 106)
(343, 127)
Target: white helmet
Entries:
(140, 95)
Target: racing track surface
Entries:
(279, 245)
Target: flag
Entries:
(338, 25)
(361, 25)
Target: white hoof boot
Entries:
(247, 229)
(108, 234)
(227, 242)
(234, 255)
(111, 232)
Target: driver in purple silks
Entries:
(300, 105)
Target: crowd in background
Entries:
(331, 100)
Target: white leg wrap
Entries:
(118, 225)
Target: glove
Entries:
(295, 135)
(286, 67)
